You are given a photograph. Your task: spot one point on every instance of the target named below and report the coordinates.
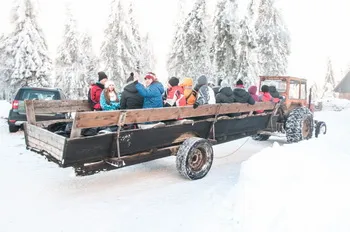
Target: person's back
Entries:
(225, 93)
(273, 91)
(241, 95)
(130, 97)
(152, 93)
(206, 94)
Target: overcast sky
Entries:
(318, 29)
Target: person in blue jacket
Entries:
(152, 91)
(110, 99)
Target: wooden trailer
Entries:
(190, 143)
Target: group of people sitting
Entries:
(152, 94)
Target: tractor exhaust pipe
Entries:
(310, 98)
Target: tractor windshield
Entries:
(280, 85)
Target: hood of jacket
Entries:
(158, 85)
(252, 89)
(187, 81)
(241, 95)
(98, 84)
(227, 91)
(202, 80)
(130, 87)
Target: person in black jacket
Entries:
(130, 97)
(241, 95)
(225, 93)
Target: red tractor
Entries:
(294, 114)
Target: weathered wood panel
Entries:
(41, 139)
(239, 108)
(110, 118)
(30, 112)
(96, 119)
(59, 106)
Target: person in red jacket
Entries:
(174, 94)
(96, 90)
(266, 96)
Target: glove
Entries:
(195, 105)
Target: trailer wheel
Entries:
(194, 158)
(261, 137)
(299, 125)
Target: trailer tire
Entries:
(194, 158)
(299, 125)
(261, 137)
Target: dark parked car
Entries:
(17, 115)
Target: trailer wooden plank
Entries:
(110, 118)
(59, 106)
(239, 108)
(45, 135)
(30, 112)
(44, 140)
(43, 146)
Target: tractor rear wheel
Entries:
(299, 125)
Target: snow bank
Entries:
(4, 109)
(298, 187)
(334, 104)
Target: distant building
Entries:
(343, 88)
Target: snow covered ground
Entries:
(264, 186)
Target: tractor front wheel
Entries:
(299, 125)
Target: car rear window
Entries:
(37, 94)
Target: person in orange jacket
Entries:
(190, 94)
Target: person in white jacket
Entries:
(205, 94)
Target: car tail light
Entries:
(15, 104)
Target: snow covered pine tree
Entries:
(226, 35)
(68, 61)
(329, 82)
(26, 48)
(119, 46)
(273, 40)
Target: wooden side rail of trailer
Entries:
(191, 143)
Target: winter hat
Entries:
(109, 83)
(224, 83)
(202, 80)
(265, 89)
(239, 82)
(150, 76)
(187, 81)
(174, 81)
(101, 76)
(130, 78)
(252, 89)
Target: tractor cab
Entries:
(293, 89)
